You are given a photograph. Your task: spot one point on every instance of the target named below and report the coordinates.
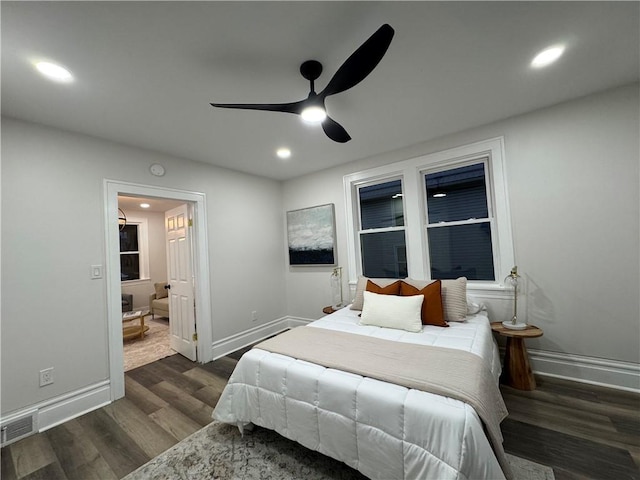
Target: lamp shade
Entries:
(336, 288)
(513, 280)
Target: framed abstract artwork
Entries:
(311, 236)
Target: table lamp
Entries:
(513, 280)
(336, 288)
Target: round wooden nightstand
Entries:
(516, 371)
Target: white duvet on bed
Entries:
(383, 430)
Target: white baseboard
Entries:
(55, 411)
(235, 342)
(595, 371)
(60, 409)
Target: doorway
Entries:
(198, 226)
(144, 276)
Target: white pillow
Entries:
(473, 307)
(392, 311)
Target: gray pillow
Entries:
(454, 297)
(358, 301)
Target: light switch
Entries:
(96, 272)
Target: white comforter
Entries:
(383, 430)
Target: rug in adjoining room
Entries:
(154, 345)
(219, 452)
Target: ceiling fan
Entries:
(355, 69)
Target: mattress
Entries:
(383, 430)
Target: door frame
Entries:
(113, 188)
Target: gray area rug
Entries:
(219, 452)
(154, 345)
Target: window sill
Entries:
(489, 290)
(140, 281)
(481, 289)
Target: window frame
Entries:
(361, 231)
(412, 174)
(143, 250)
(491, 208)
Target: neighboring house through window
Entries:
(443, 215)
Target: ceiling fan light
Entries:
(313, 114)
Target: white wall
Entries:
(573, 181)
(573, 178)
(53, 314)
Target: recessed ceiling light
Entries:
(54, 72)
(144, 205)
(547, 56)
(283, 152)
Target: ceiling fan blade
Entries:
(293, 107)
(361, 62)
(335, 131)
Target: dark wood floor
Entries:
(583, 432)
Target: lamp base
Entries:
(514, 326)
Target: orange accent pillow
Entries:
(393, 289)
(432, 310)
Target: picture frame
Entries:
(311, 236)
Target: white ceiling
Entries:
(146, 71)
(158, 205)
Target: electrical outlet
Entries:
(254, 316)
(46, 376)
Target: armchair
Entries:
(159, 301)
(127, 302)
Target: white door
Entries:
(182, 324)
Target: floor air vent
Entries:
(18, 428)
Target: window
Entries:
(443, 215)
(382, 239)
(134, 265)
(129, 253)
(459, 223)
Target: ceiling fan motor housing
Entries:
(311, 69)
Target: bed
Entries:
(383, 429)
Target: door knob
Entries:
(167, 287)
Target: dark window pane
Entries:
(129, 238)
(129, 267)
(461, 251)
(384, 254)
(457, 194)
(381, 205)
